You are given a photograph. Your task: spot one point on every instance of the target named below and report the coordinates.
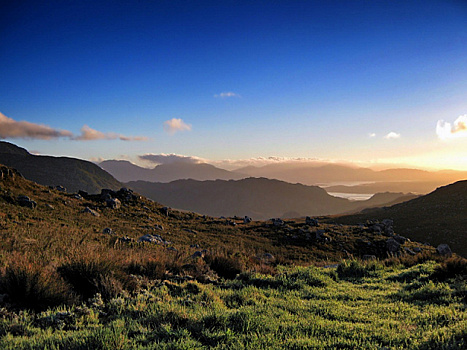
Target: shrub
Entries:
(89, 278)
(451, 268)
(226, 266)
(33, 288)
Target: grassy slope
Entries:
(392, 307)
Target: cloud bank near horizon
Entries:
(446, 130)
(170, 159)
(227, 94)
(12, 129)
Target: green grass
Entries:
(299, 308)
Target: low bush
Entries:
(91, 277)
(226, 266)
(451, 268)
(32, 288)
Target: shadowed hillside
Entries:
(258, 198)
(438, 217)
(73, 174)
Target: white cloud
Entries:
(170, 159)
(372, 134)
(227, 94)
(392, 135)
(176, 124)
(445, 130)
(10, 128)
(89, 134)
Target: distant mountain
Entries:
(73, 174)
(393, 180)
(438, 217)
(258, 198)
(125, 171)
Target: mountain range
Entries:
(126, 171)
(259, 198)
(71, 173)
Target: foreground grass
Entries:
(299, 308)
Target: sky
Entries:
(231, 82)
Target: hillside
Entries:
(96, 276)
(73, 174)
(126, 171)
(258, 198)
(438, 217)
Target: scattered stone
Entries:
(369, 257)
(417, 250)
(246, 220)
(91, 211)
(25, 201)
(392, 245)
(444, 249)
(266, 258)
(198, 254)
(311, 222)
(60, 188)
(126, 239)
(277, 222)
(77, 196)
(400, 239)
(194, 246)
(409, 251)
(165, 211)
(49, 206)
(156, 239)
(159, 227)
(113, 203)
(108, 231)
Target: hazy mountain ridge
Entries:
(438, 217)
(259, 198)
(126, 171)
(393, 180)
(74, 174)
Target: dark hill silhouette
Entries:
(125, 171)
(258, 198)
(73, 174)
(438, 217)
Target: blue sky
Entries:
(375, 82)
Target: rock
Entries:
(417, 250)
(25, 201)
(126, 239)
(108, 231)
(392, 245)
(266, 258)
(77, 196)
(156, 239)
(246, 220)
(165, 211)
(91, 211)
(400, 239)
(369, 257)
(60, 188)
(194, 246)
(310, 221)
(159, 227)
(113, 203)
(409, 251)
(49, 206)
(444, 249)
(198, 254)
(277, 222)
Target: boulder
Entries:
(400, 239)
(444, 249)
(392, 245)
(246, 220)
(311, 222)
(25, 201)
(91, 211)
(156, 239)
(108, 231)
(113, 203)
